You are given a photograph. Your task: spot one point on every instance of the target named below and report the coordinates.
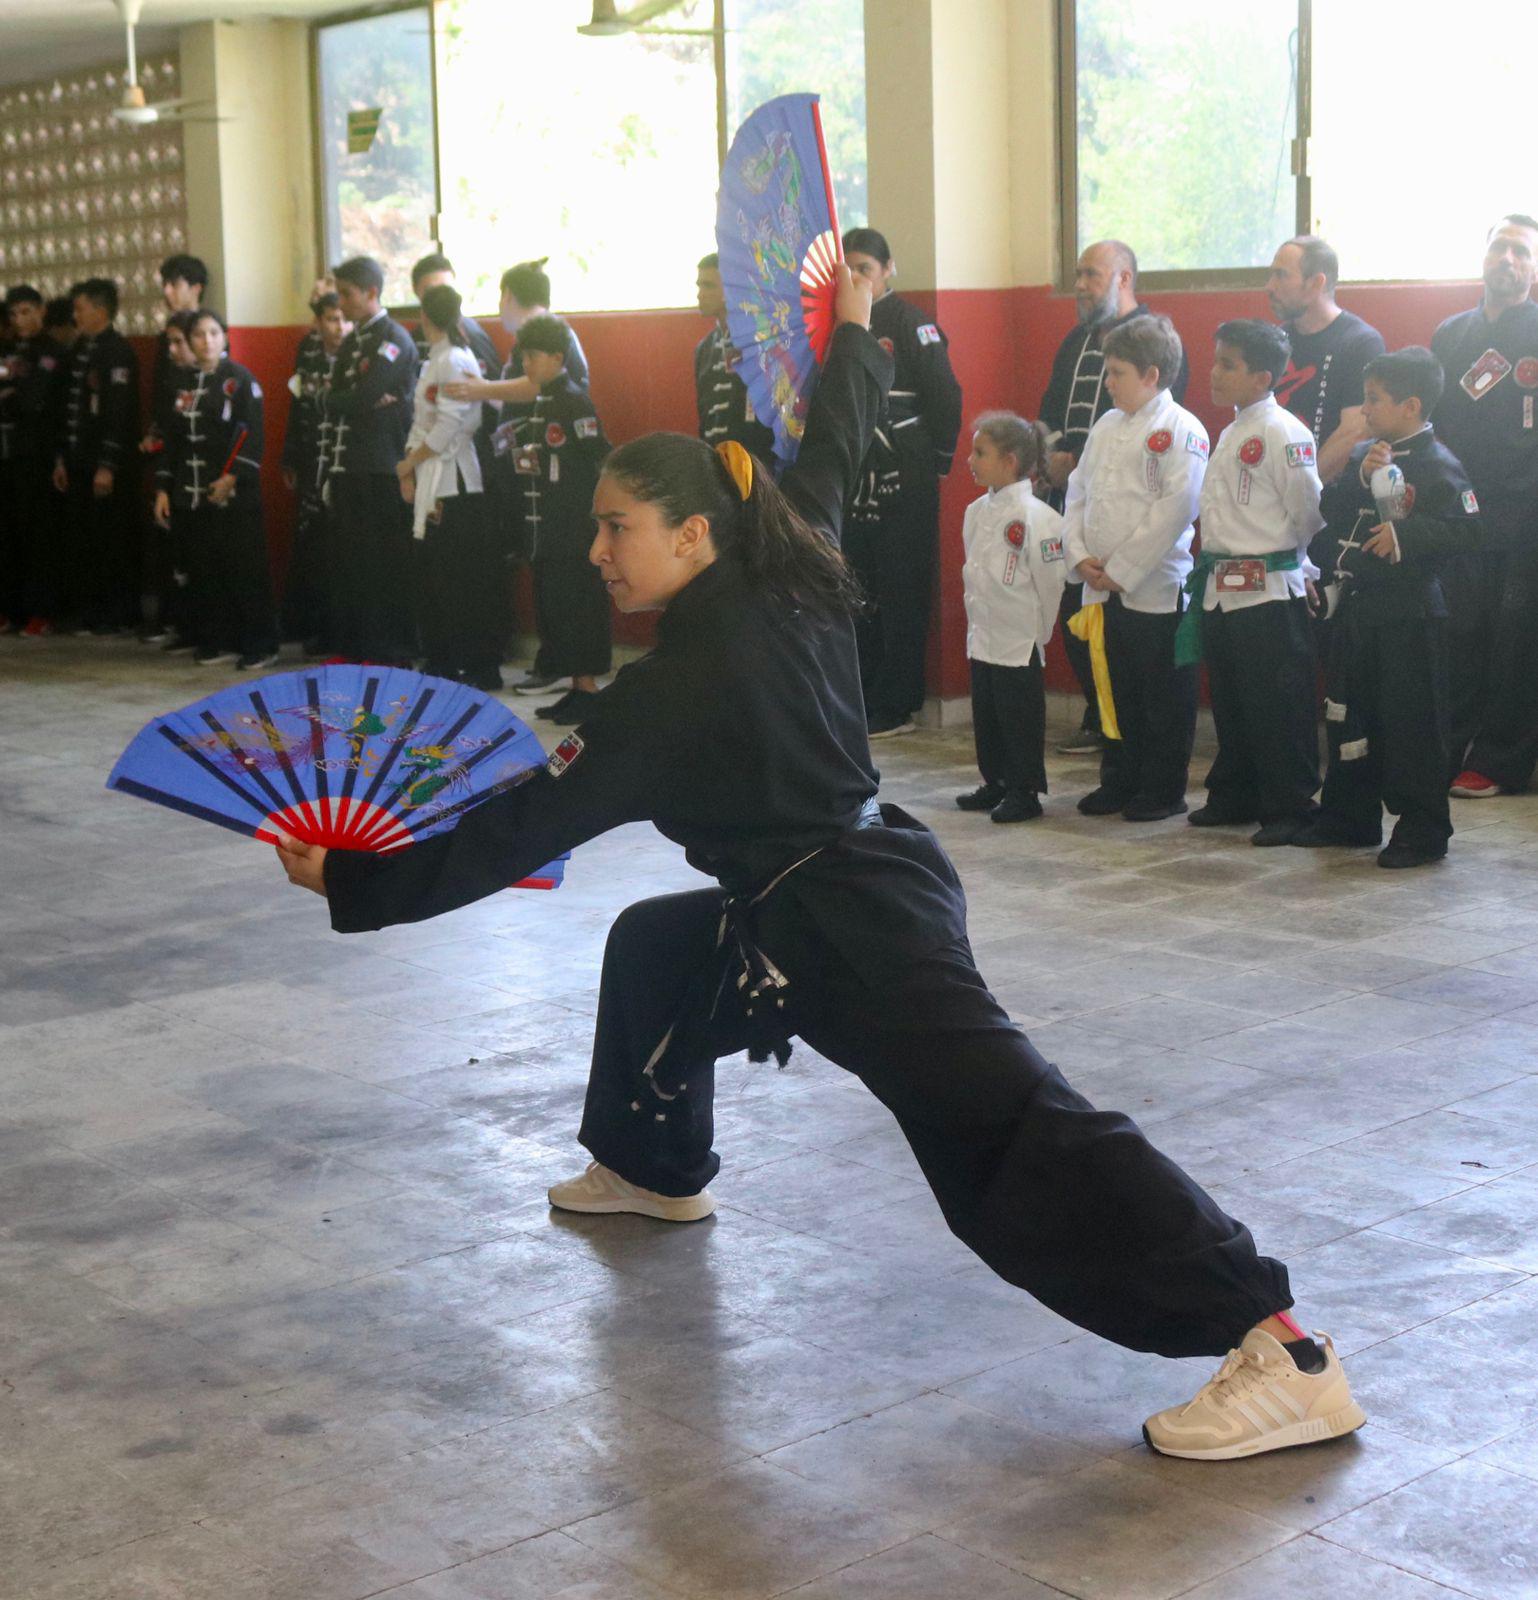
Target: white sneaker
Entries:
(601, 1192)
(1258, 1400)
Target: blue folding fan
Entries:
(778, 242)
(349, 757)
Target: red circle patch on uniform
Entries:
(886, 344)
(229, 387)
(1526, 373)
(1160, 441)
(1015, 534)
(1253, 451)
(555, 436)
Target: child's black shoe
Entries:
(1020, 807)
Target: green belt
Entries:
(1188, 637)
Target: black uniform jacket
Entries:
(922, 418)
(29, 369)
(721, 398)
(307, 428)
(556, 447)
(97, 422)
(1437, 538)
(370, 398)
(741, 737)
(214, 425)
(1488, 413)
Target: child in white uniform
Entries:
(1012, 581)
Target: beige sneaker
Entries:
(602, 1193)
(1258, 1400)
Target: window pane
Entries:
(1185, 120)
(597, 152)
(1421, 139)
(769, 52)
(380, 194)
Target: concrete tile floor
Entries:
(286, 1316)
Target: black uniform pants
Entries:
(1505, 746)
(374, 613)
(28, 539)
(1078, 655)
(229, 586)
(1155, 706)
(1009, 725)
(1476, 613)
(894, 558)
(1260, 672)
(571, 606)
(1067, 1202)
(1397, 697)
(306, 610)
(463, 619)
(100, 566)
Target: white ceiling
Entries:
(44, 36)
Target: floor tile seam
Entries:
(1301, 1536)
(1441, 1316)
(35, 1569)
(994, 1561)
(1411, 1572)
(1415, 1116)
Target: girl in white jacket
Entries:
(1012, 581)
(462, 616)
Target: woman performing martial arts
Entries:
(838, 921)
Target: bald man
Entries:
(1105, 296)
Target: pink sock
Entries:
(1290, 1325)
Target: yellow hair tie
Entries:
(740, 464)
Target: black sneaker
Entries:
(1085, 742)
(536, 682)
(1406, 855)
(570, 709)
(983, 798)
(1283, 831)
(1016, 808)
(1102, 803)
(258, 658)
(1143, 810)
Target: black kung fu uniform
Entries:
(1076, 399)
(893, 532)
(307, 454)
(29, 542)
(369, 404)
(1386, 709)
(742, 737)
(214, 425)
(97, 427)
(721, 398)
(1487, 417)
(557, 449)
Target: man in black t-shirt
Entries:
(1322, 386)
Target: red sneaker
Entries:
(1471, 785)
(37, 628)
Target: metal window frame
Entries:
(1068, 164)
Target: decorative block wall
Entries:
(88, 196)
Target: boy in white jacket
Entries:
(1012, 581)
(1127, 531)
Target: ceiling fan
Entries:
(134, 109)
(608, 22)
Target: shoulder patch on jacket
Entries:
(927, 333)
(389, 350)
(1470, 502)
(120, 374)
(1301, 455)
(586, 427)
(1051, 549)
(564, 754)
(1196, 445)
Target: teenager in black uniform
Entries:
(720, 396)
(1488, 416)
(742, 737)
(209, 479)
(369, 406)
(557, 447)
(1386, 707)
(892, 541)
(95, 444)
(307, 596)
(1105, 296)
(174, 627)
(28, 539)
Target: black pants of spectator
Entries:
(1078, 656)
(306, 585)
(1397, 698)
(1505, 747)
(463, 620)
(20, 481)
(1261, 674)
(1476, 590)
(230, 584)
(894, 556)
(1069, 1203)
(1009, 726)
(375, 613)
(1155, 706)
(39, 510)
(102, 554)
(571, 607)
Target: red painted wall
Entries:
(1002, 342)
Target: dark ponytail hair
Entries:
(683, 477)
(441, 305)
